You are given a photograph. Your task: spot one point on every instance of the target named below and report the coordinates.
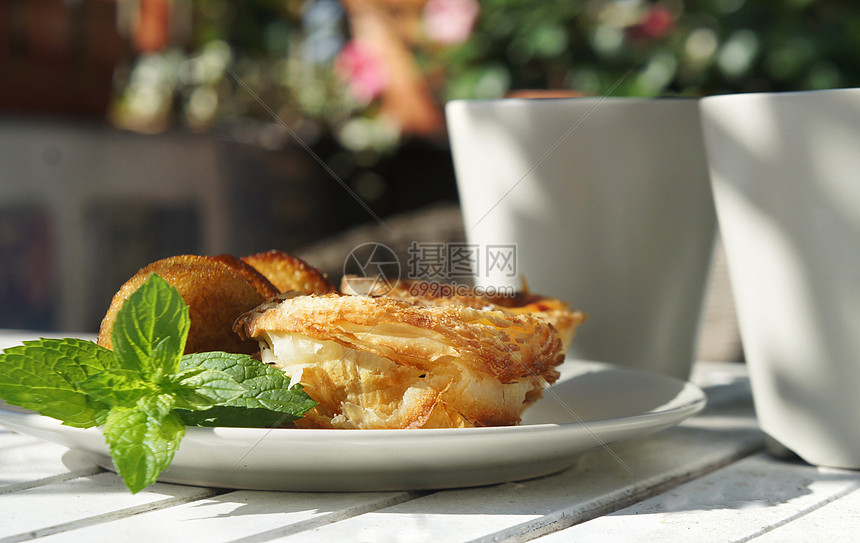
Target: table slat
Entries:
(80, 502)
(26, 462)
(736, 503)
(236, 516)
(597, 485)
(834, 522)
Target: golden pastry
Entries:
(556, 312)
(397, 362)
(288, 272)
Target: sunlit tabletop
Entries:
(708, 479)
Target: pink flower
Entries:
(450, 21)
(365, 74)
(657, 23)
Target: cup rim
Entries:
(512, 101)
(779, 95)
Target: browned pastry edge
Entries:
(288, 272)
(556, 312)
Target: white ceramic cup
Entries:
(786, 177)
(608, 203)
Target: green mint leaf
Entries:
(267, 401)
(43, 375)
(117, 388)
(164, 359)
(150, 329)
(143, 440)
(205, 388)
(145, 391)
(187, 373)
(157, 405)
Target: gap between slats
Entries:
(113, 515)
(560, 520)
(802, 513)
(59, 478)
(330, 518)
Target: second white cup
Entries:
(786, 174)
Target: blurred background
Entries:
(131, 130)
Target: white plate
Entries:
(592, 404)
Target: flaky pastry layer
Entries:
(558, 313)
(378, 362)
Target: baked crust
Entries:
(288, 272)
(385, 362)
(553, 310)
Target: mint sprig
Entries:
(145, 391)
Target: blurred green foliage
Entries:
(285, 53)
(637, 48)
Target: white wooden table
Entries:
(708, 479)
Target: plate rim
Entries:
(568, 441)
(695, 405)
